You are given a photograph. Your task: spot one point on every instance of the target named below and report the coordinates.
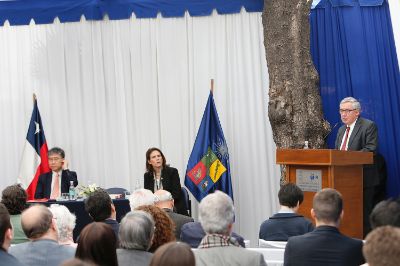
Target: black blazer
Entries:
(363, 138)
(43, 188)
(170, 182)
(323, 246)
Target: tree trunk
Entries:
(294, 108)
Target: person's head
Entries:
(382, 246)
(386, 212)
(77, 262)
(56, 157)
(141, 197)
(290, 195)
(216, 213)
(97, 243)
(350, 110)
(5, 228)
(136, 231)
(164, 199)
(327, 207)
(173, 254)
(14, 198)
(99, 205)
(164, 226)
(65, 221)
(155, 159)
(37, 222)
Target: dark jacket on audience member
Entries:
(193, 233)
(179, 221)
(323, 246)
(114, 225)
(281, 226)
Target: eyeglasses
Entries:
(346, 111)
(54, 159)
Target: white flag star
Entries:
(37, 128)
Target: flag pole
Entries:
(212, 86)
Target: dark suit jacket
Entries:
(363, 138)
(193, 233)
(43, 189)
(170, 182)
(323, 246)
(281, 226)
(179, 220)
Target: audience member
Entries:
(141, 197)
(216, 216)
(5, 238)
(97, 244)
(386, 212)
(382, 246)
(164, 231)
(286, 222)
(43, 249)
(77, 262)
(101, 208)
(65, 222)
(50, 185)
(135, 234)
(14, 198)
(166, 202)
(325, 245)
(173, 254)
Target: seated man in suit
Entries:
(217, 248)
(286, 222)
(50, 185)
(166, 202)
(325, 245)
(6, 235)
(43, 248)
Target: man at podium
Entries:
(359, 134)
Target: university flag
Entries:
(208, 166)
(34, 160)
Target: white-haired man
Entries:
(141, 197)
(216, 216)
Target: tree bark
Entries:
(294, 108)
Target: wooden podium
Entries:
(342, 170)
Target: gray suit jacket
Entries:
(179, 220)
(228, 256)
(43, 252)
(133, 257)
(364, 137)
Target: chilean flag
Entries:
(34, 160)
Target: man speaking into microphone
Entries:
(51, 184)
(359, 134)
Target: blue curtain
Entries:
(353, 50)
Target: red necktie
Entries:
(343, 148)
(56, 188)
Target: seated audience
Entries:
(43, 249)
(141, 197)
(65, 222)
(382, 246)
(166, 202)
(5, 238)
(135, 235)
(173, 254)
(386, 212)
(325, 245)
(100, 207)
(164, 226)
(52, 184)
(216, 216)
(14, 198)
(286, 222)
(97, 244)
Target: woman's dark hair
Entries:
(97, 243)
(173, 254)
(149, 167)
(14, 198)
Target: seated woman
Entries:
(161, 176)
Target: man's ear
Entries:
(313, 214)
(9, 234)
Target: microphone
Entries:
(330, 131)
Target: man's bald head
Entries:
(164, 199)
(36, 221)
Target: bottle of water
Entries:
(71, 191)
(306, 145)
